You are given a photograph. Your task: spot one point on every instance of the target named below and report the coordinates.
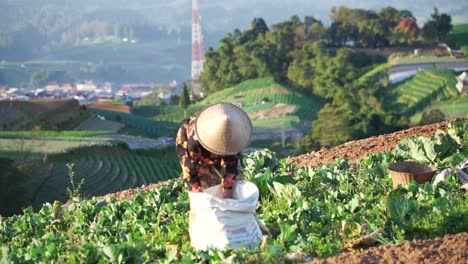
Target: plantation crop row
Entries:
(52, 134)
(33, 147)
(152, 128)
(102, 173)
(426, 86)
(253, 92)
(459, 36)
(452, 108)
(311, 213)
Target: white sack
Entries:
(221, 223)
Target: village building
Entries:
(462, 83)
(11, 91)
(457, 54)
(86, 86)
(136, 91)
(52, 86)
(68, 87)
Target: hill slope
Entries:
(59, 114)
(416, 93)
(271, 105)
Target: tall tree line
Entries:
(286, 49)
(316, 59)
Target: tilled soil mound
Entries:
(357, 149)
(448, 249)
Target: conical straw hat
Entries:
(223, 129)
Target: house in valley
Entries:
(462, 83)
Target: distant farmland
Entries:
(416, 93)
(102, 166)
(58, 114)
(150, 127)
(255, 97)
(103, 170)
(459, 36)
(110, 106)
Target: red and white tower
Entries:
(198, 54)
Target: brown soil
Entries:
(279, 90)
(277, 111)
(130, 194)
(448, 249)
(111, 107)
(357, 149)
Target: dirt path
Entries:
(448, 249)
(357, 149)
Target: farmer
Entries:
(209, 146)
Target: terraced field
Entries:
(53, 114)
(426, 86)
(250, 94)
(452, 108)
(150, 127)
(254, 96)
(459, 35)
(102, 170)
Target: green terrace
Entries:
(415, 93)
(101, 169)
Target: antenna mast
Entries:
(198, 54)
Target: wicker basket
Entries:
(403, 172)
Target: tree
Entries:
(432, 116)
(372, 33)
(408, 29)
(259, 26)
(302, 70)
(442, 23)
(309, 21)
(184, 99)
(429, 32)
(390, 17)
(333, 125)
(316, 31)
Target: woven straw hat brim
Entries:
(223, 129)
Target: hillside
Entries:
(140, 124)
(60, 114)
(413, 95)
(454, 107)
(459, 36)
(100, 165)
(271, 106)
(320, 214)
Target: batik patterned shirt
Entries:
(200, 166)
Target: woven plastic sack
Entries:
(224, 223)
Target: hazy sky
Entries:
(224, 12)
(222, 16)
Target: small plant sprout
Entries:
(74, 193)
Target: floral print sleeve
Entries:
(187, 162)
(201, 167)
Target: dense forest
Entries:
(316, 59)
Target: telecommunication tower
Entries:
(198, 54)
